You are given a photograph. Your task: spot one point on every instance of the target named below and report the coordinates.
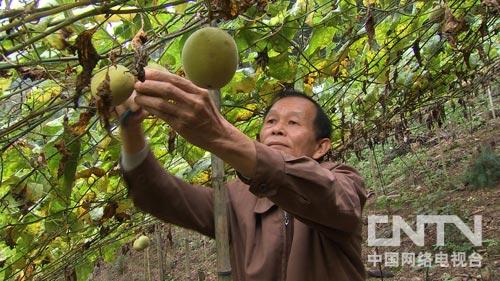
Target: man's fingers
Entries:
(157, 104)
(131, 102)
(162, 115)
(161, 89)
(182, 83)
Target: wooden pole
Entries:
(149, 264)
(220, 210)
(159, 252)
(490, 99)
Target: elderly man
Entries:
(290, 217)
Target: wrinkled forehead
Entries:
(293, 106)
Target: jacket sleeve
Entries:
(170, 199)
(328, 198)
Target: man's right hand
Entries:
(131, 130)
(136, 115)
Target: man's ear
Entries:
(322, 147)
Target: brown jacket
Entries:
(296, 220)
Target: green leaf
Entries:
(189, 152)
(282, 68)
(34, 191)
(110, 251)
(320, 38)
(125, 30)
(83, 270)
(139, 19)
(70, 166)
(276, 7)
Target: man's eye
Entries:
(271, 121)
(291, 122)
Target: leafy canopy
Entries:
(372, 64)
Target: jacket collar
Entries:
(262, 205)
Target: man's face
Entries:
(289, 127)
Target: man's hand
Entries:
(136, 114)
(189, 110)
(131, 126)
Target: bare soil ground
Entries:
(416, 193)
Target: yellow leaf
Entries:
(308, 89)
(87, 173)
(369, 2)
(310, 19)
(345, 62)
(4, 84)
(124, 206)
(181, 8)
(116, 18)
(246, 85)
(44, 94)
(201, 178)
(269, 89)
(245, 114)
(34, 228)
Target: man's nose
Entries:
(278, 129)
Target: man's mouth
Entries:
(273, 143)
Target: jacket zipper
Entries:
(284, 260)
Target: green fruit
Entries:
(210, 57)
(141, 243)
(121, 83)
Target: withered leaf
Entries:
(140, 54)
(416, 51)
(482, 54)
(171, 141)
(87, 173)
(87, 57)
(4, 73)
(104, 231)
(27, 273)
(33, 73)
(61, 148)
(230, 9)
(109, 211)
(483, 29)
(69, 70)
(370, 28)
(452, 25)
(262, 58)
(81, 126)
(104, 102)
(121, 217)
(466, 54)
(492, 3)
(70, 274)
(8, 237)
